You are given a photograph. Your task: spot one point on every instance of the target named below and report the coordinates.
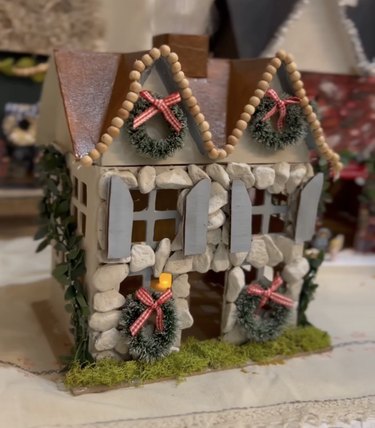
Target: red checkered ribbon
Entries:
(280, 106)
(159, 105)
(153, 305)
(270, 293)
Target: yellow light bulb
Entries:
(165, 282)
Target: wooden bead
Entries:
(222, 154)
(288, 58)
(179, 76)
(118, 122)
(192, 101)
(86, 161)
(172, 58)
(320, 141)
(176, 67)
(135, 87)
(165, 50)
(232, 140)
(339, 166)
(329, 154)
(241, 124)
(184, 83)
(259, 93)
(113, 131)
(155, 53)
(276, 62)
(128, 105)
(281, 54)
(245, 116)
(237, 133)
(315, 125)
(204, 126)
(134, 75)
(206, 136)
(324, 148)
(186, 93)
(297, 85)
(311, 118)
(296, 75)
(107, 139)
(267, 76)
(255, 101)
(199, 118)
(336, 157)
(195, 110)
(101, 147)
(132, 96)
(208, 145)
(147, 60)
(318, 133)
(229, 148)
(94, 154)
(139, 66)
(301, 93)
(271, 69)
(122, 113)
(212, 154)
(250, 109)
(308, 109)
(304, 101)
(291, 67)
(263, 85)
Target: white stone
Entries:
(105, 355)
(275, 256)
(288, 247)
(235, 336)
(268, 273)
(216, 220)
(142, 256)
(218, 173)
(177, 342)
(122, 345)
(107, 340)
(178, 240)
(264, 176)
(214, 236)
(236, 282)
(146, 179)
(161, 256)
(175, 178)
(258, 256)
(220, 261)
(237, 258)
(102, 321)
(101, 224)
(241, 171)
(181, 201)
(294, 290)
(296, 270)
(309, 171)
(196, 173)
(178, 263)
(181, 286)
(246, 267)
(229, 317)
(276, 188)
(129, 179)
(202, 262)
(108, 300)
(282, 170)
(104, 182)
(297, 173)
(225, 233)
(184, 316)
(218, 197)
(109, 277)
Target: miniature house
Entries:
(217, 213)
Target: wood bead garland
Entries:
(212, 154)
(176, 67)
(122, 113)
(172, 58)
(208, 145)
(186, 93)
(229, 148)
(165, 50)
(263, 85)
(117, 121)
(132, 97)
(267, 76)
(204, 126)
(147, 60)
(94, 154)
(254, 101)
(206, 136)
(232, 140)
(155, 53)
(179, 76)
(128, 105)
(259, 93)
(222, 154)
(139, 66)
(135, 87)
(245, 117)
(237, 132)
(113, 131)
(250, 109)
(184, 83)
(101, 147)
(281, 54)
(192, 101)
(107, 139)
(86, 160)
(134, 75)
(241, 125)
(195, 110)
(271, 69)
(276, 62)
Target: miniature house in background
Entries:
(172, 174)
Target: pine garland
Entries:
(268, 324)
(155, 148)
(144, 346)
(295, 125)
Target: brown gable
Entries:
(86, 82)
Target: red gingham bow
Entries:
(153, 305)
(270, 293)
(159, 105)
(280, 106)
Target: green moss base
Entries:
(198, 357)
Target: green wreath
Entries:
(295, 125)
(156, 148)
(146, 346)
(265, 325)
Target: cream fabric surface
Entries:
(314, 390)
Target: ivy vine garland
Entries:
(295, 125)
(149, 344)
(150, 147)
(263, 324)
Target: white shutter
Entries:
(241, 213)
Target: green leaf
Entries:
(69, 308)
(78, 271)
(63, 207)
(59, 273)
(51, 186)
(70, 293)
(59, 246)
(41, 232)
(42, 245)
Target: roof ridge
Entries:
(135, 87)
(263, 85)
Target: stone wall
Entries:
(266, 251)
